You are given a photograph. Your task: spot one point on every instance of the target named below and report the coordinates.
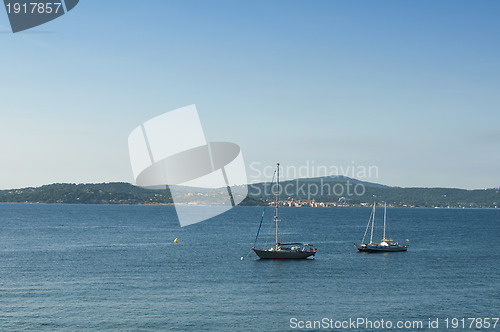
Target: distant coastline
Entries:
(307, 192)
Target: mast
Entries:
(367, 227)
(373, 222)
(385, 218)
(277, 200)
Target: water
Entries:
(116, 268)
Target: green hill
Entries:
(327, 190)
(354, 192)
(100, 193)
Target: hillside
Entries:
(347, 191)
(101, 193)
(329, 191)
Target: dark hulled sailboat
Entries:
(294, 250)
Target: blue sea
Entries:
(117, 268)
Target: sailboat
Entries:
(293, 250)
(384, 245)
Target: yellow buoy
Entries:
(176, 240)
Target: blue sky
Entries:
(409, 87)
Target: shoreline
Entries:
(294, 207)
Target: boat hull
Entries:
(283, 254)
(378, 248)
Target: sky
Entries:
(409, 88)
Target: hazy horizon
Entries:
(257, 182)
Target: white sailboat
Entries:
(294, 250)
(385, 244)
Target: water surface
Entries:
(116, 268)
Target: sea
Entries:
(117, 268)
